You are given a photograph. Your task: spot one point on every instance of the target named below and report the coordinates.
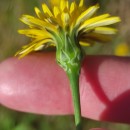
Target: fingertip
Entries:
(35, 84)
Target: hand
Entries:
(37, 84)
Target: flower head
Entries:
(52, 27)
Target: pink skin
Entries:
(37, 84)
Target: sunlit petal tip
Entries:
(16, 54)
(38, 48)
(118, 19)
(100, 21)
(87, 14)
(25, 18)
(22, 18)
(37, 11)
(56, 11)
(93, 20)
(97, 6)
(72, 7)
(20, 32)
(36, 8)
(105, 30)
(81, 3)
(64, 5)
(46, 10)
(111, 20)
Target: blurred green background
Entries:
(11, 41)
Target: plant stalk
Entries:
(74, 84)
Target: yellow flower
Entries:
(122, 49)
(79, 23)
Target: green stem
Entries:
(74, 83)
(69, 57)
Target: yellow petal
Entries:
(38, 13)
(74, 13)
(65, 19)
(96, 37)
(57, 16)
(32, 46)
(41, 47)
(84, 43)
(73, 7)
(64, 5)
(87, 14)
(105, 30)
(30, 20)
(93, 20)
(38, 48)
(35, 33)
(55, 2)
(122, 49)
(37, 23)
(56, 11)
(81, 3)
(46, 10)
(104, 22)
(45, 43)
